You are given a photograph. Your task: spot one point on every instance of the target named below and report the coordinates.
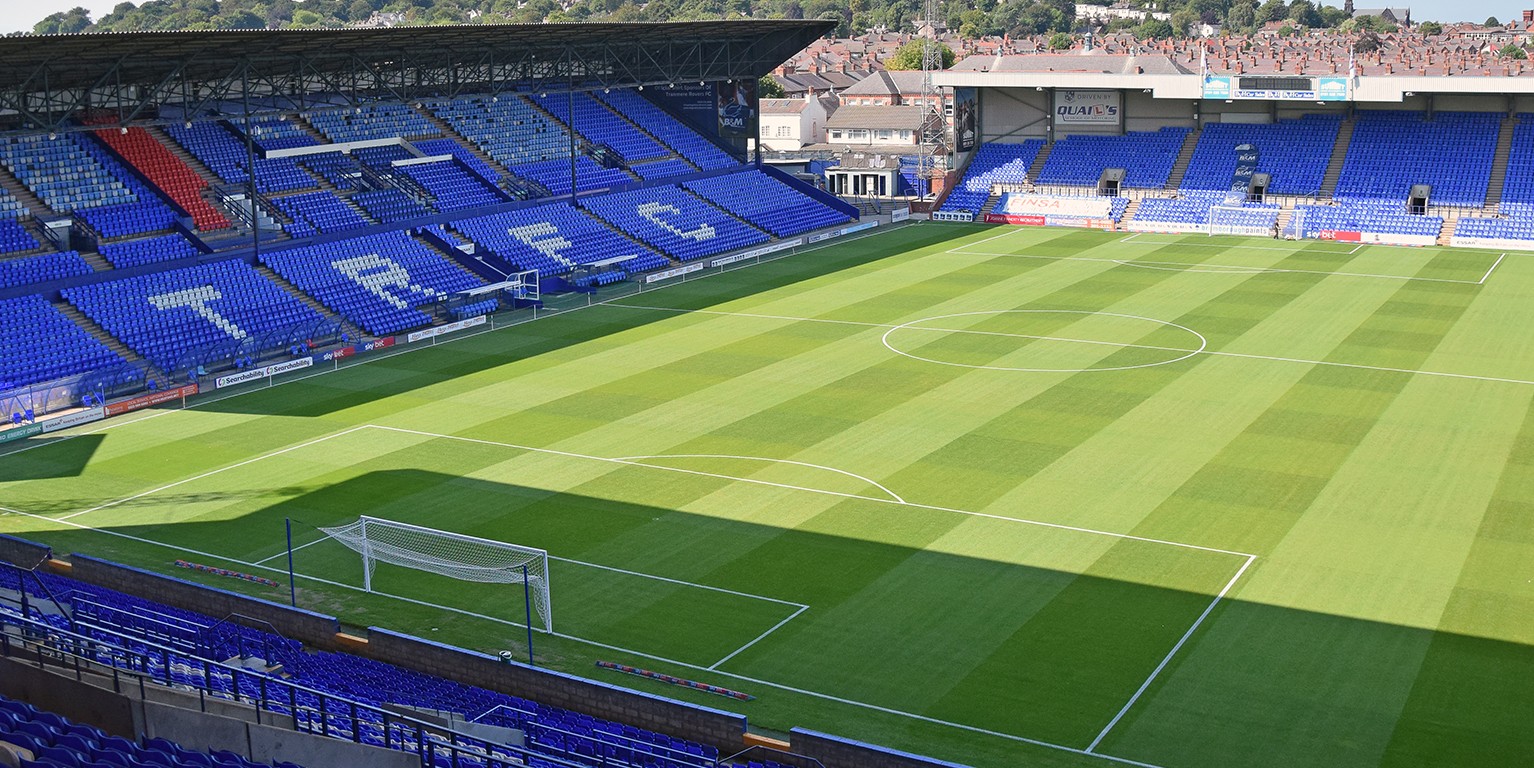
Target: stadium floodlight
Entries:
(454, 555)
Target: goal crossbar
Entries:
(454, 555)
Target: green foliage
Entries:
(1059, 41)
(1153, 28)
(1430, 28)
(768, 88)
(65, 23)
(1286, 31)
(1511, 51)
(909, 56)
(1491, 21)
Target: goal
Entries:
(1235, 220)
(449, 554)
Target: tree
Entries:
(1242, 17)
(1430, 28)
(1332, 16)
(1511, 51)
(1304, 13)
(1272, 10)
(1491, 21)
(909, 56)
(1286, 31)
(1153, 28)
(66, 23)
(768, 88)
(1059, 41)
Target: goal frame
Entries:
(532, 573)
(1211, 228)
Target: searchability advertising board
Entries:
(1087, 108)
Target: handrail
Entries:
(422, 731)
(240, 637)
(21, 590)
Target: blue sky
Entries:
(22, 14)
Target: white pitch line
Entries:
(844, 472)
(1127, 345)
(824, 492)
(266, 560)
(715, 666)
(1165, 661)
(615, 648)
(1494, 264)
(669, 580)
(210, 473)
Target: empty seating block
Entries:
(662, 125)
(26, 270)
(274, 132)
(1192, 207)
(376, 281)
(1391, 150)
(767, 202)
(63, 172)
(38, 343)
(1146, 157)
(1366, 215)
(1294, 153)
(164, 316)
(507, 128)
(463, 153)
(601, 125)
(674, 221)
(554, 238)
(378, 121)
(131, 253)
(167, 172)
(1519, 184)
(390, 205)
(554, 175)
(14, 238)
(992, 164)
(225, 154)
(129, 218)
(319, 213)
(10, 207)
(452, 186)
(663, 169)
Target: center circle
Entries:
(1110, 320)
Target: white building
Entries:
(790, 124)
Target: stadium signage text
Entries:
(755, 252)
(146, 401)
(1322, 89)
(261, 373)
(665, 274)
(1087, 108)
(74, 419)
(900, 214)
(20, 433)
(444, 329)
(1014, 204)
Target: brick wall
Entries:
(22, 552)
(836, 752)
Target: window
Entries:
(860, 134)
(836, 134)
(782, 131)
(905, 135)
(886, 135)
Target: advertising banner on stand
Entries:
(1074, 107)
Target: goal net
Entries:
(1235, 220)
(453, 555)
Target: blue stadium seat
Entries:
(38, 343)
(26, 270)
(767, 202)
(992, 164)
(672, 132)
(1392, 150)
(376, 121)
(14, 238)
(600, 125)
(1146, 157)
(131, 253)
(1192, 207)
(1294, 153)
(554, 238)
(377, 281)
(674, 221)
(224, 153)
(319, 213)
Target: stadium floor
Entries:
(1002, 496)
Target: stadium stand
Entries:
(53, 741)
(662, 125)
(1519, 182)
(450, 147)
(663, 169)
(272, 132)
(62, 173)
(1392, 150)
(1294, 153)
(1516, 222)
(38, 343)
(224, 153)
(10, 207)
(992, 164)
(26, 270)
(376, 121)
(390, 205)
(674, 221)
(1192, 208)
(132, 253)
(554, 238)
(1145, 156)
(14, 238)
(225, 309)
(600, 125)
(375, 281)
(507, 128)
(1378, 216)
(766, 202)
(167, 172)
(452, 186)
(318, 213)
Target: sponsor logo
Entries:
(20, 433)
(1217, 88)
(655, 277)
(755, 252)
(445, 329)
(146, 401)
(261, 373)
(1015, 219)
(339, 354)
(1332, 88)
(1087, 107)
(900, 214)
(74, 419)
(383, 343)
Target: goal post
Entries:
(1236, 220)
(454, 555)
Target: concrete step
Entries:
(13, 185)
(1499, 159)
(90, 326)
(1339, 155)
(1038, 163)
(308, 300)
(1184, 157)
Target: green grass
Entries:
(990, 478)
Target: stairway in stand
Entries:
(309, 301)
(13, 185)
(1129, 212)
(1499, 165)
(1038, 163)
(90, 326)
(448, 132)
(1446, 235)
(1184, 157)
(1339, 156)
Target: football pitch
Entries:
(1003, 496)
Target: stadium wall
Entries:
(693, 722)
(310, 628)
(836, 751)
(21, 552)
